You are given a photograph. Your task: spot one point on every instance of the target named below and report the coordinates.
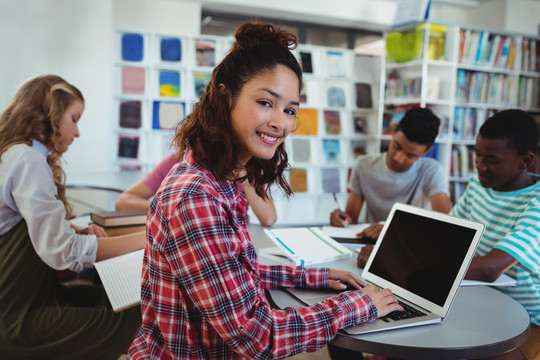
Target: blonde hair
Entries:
(34, 114)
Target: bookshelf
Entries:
(338, 118)
(158, 77)
(465, 75)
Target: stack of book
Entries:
(121, 221)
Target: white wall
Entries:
(70, 39)
(74, 39)
(522, 16)
(167, 16)
(354, 13)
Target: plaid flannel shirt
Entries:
(202, 294)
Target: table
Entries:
(482, 322)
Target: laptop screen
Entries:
(422, 255)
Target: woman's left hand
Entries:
(340, 278)
(92, 229)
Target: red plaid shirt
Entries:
(202, 293)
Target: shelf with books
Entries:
(338, 119)
(477, 73)
(338, 115)
(157, 79)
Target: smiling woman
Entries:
(264, 113)
(203, 290)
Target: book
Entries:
(502, 60)
(130, 114)
(335, 64)
(363, 95)
(335, 96)
(128, 146)
(120, 217)
(332, 122)
(465, 39)
(169, 83)
(331, 150)
(122, 230)
(121, 278)
(200, 80)
(301, 150)
(330, 180)
(411, 12)
(307, 121)
(132, 47)
(307, 246)
(133, 80)
(205, 52)
(511, 56)
(166, 115)
(360, 122)
(494, 49)
(298, 180)
(305, 61)
(171, 49)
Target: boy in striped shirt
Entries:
(503, 196)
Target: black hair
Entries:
(208, 131)
(517, 126)
(420, 125)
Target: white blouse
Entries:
(27, 190)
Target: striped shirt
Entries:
(202, 294)
(512, 220)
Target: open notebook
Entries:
(422, 256)
(121, 278)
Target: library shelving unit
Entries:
(464, 74)
(337, 121)
(159, 77)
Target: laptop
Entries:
(422, 256)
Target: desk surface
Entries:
(482, 322)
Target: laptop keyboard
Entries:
(407, 313)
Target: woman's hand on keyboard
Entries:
(340, 278)
(384, 300)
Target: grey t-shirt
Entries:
(381, 187)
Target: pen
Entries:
(341, 216)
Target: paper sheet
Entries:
(121, 278)
(348, 232)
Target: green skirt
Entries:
(42, 319)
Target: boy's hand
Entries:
(340, 218)
(363, 257)
(372, 231)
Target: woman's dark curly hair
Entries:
(208, 131)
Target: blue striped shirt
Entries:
(512, 220)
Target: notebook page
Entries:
(307, 245)
(121, 278)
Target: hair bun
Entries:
(255, 33)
